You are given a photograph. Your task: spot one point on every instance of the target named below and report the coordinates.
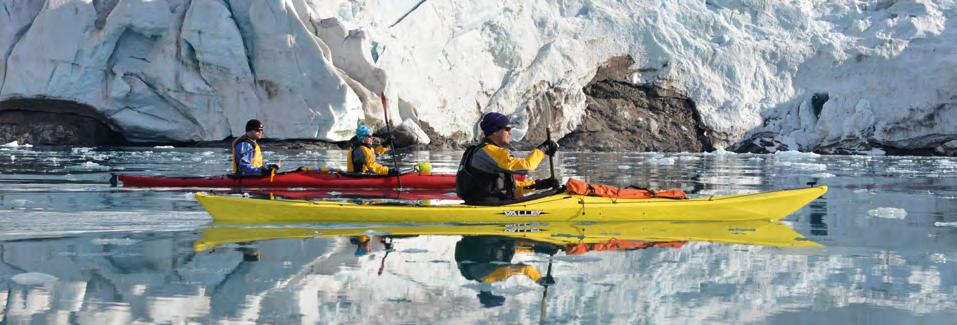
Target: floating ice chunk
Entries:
(13, 144)
(862, 191)
(114, 241)
(661, 161)
(888, 213)
(719, 152)
(13, 158)
(823, 175)
(945, 224)
(791, 154)
(938, 258)
(805, 166)
(163, 147)
(89, 165)
(947, 162)
(79, 150)
(874, 152)
(19, 202)
(624, 167)
(33, 278)
(207, 153)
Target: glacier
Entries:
(825, 76)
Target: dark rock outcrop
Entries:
(55, 122)
(621, 116)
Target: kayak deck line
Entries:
(557, 207)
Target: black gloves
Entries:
(270, 169)
(549, 147)
(547, 183)
(546, 280)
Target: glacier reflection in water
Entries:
(129, 255)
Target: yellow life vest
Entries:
(257, 154)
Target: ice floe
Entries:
(888, 213)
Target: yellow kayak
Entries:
(764, 233)
(560, 207)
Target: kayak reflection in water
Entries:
(486, 173)
(247, 157)
(488, 259)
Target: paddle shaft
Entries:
(388, 129)
(542, 314)
(548, 137)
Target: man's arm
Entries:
(373, 165)
(494, 159)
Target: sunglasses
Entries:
(508, 129)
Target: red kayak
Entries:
(303, 179)
(310, 195)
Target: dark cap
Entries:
(253, 124)
(488, 300)
(492, 122)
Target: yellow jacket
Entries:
(361, 159)
(494, 159)
(506, 271)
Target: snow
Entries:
(197, 70)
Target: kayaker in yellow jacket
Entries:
(361, 157)
(486, 172)
(247, 157)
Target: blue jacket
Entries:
(244, 157)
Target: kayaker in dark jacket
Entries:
(361, 157)
(486, 172)
(247, 158)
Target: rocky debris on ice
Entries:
(832, 77)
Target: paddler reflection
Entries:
(488, 259)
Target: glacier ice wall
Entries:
(812, 74)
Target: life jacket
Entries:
(257, 154)
(356, 159)
(578, 187)
(473, 185)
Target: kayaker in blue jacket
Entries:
(247, 157)
(486, 172)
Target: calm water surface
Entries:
(75, 250)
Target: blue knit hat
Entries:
(492, 122)
(363, 131)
